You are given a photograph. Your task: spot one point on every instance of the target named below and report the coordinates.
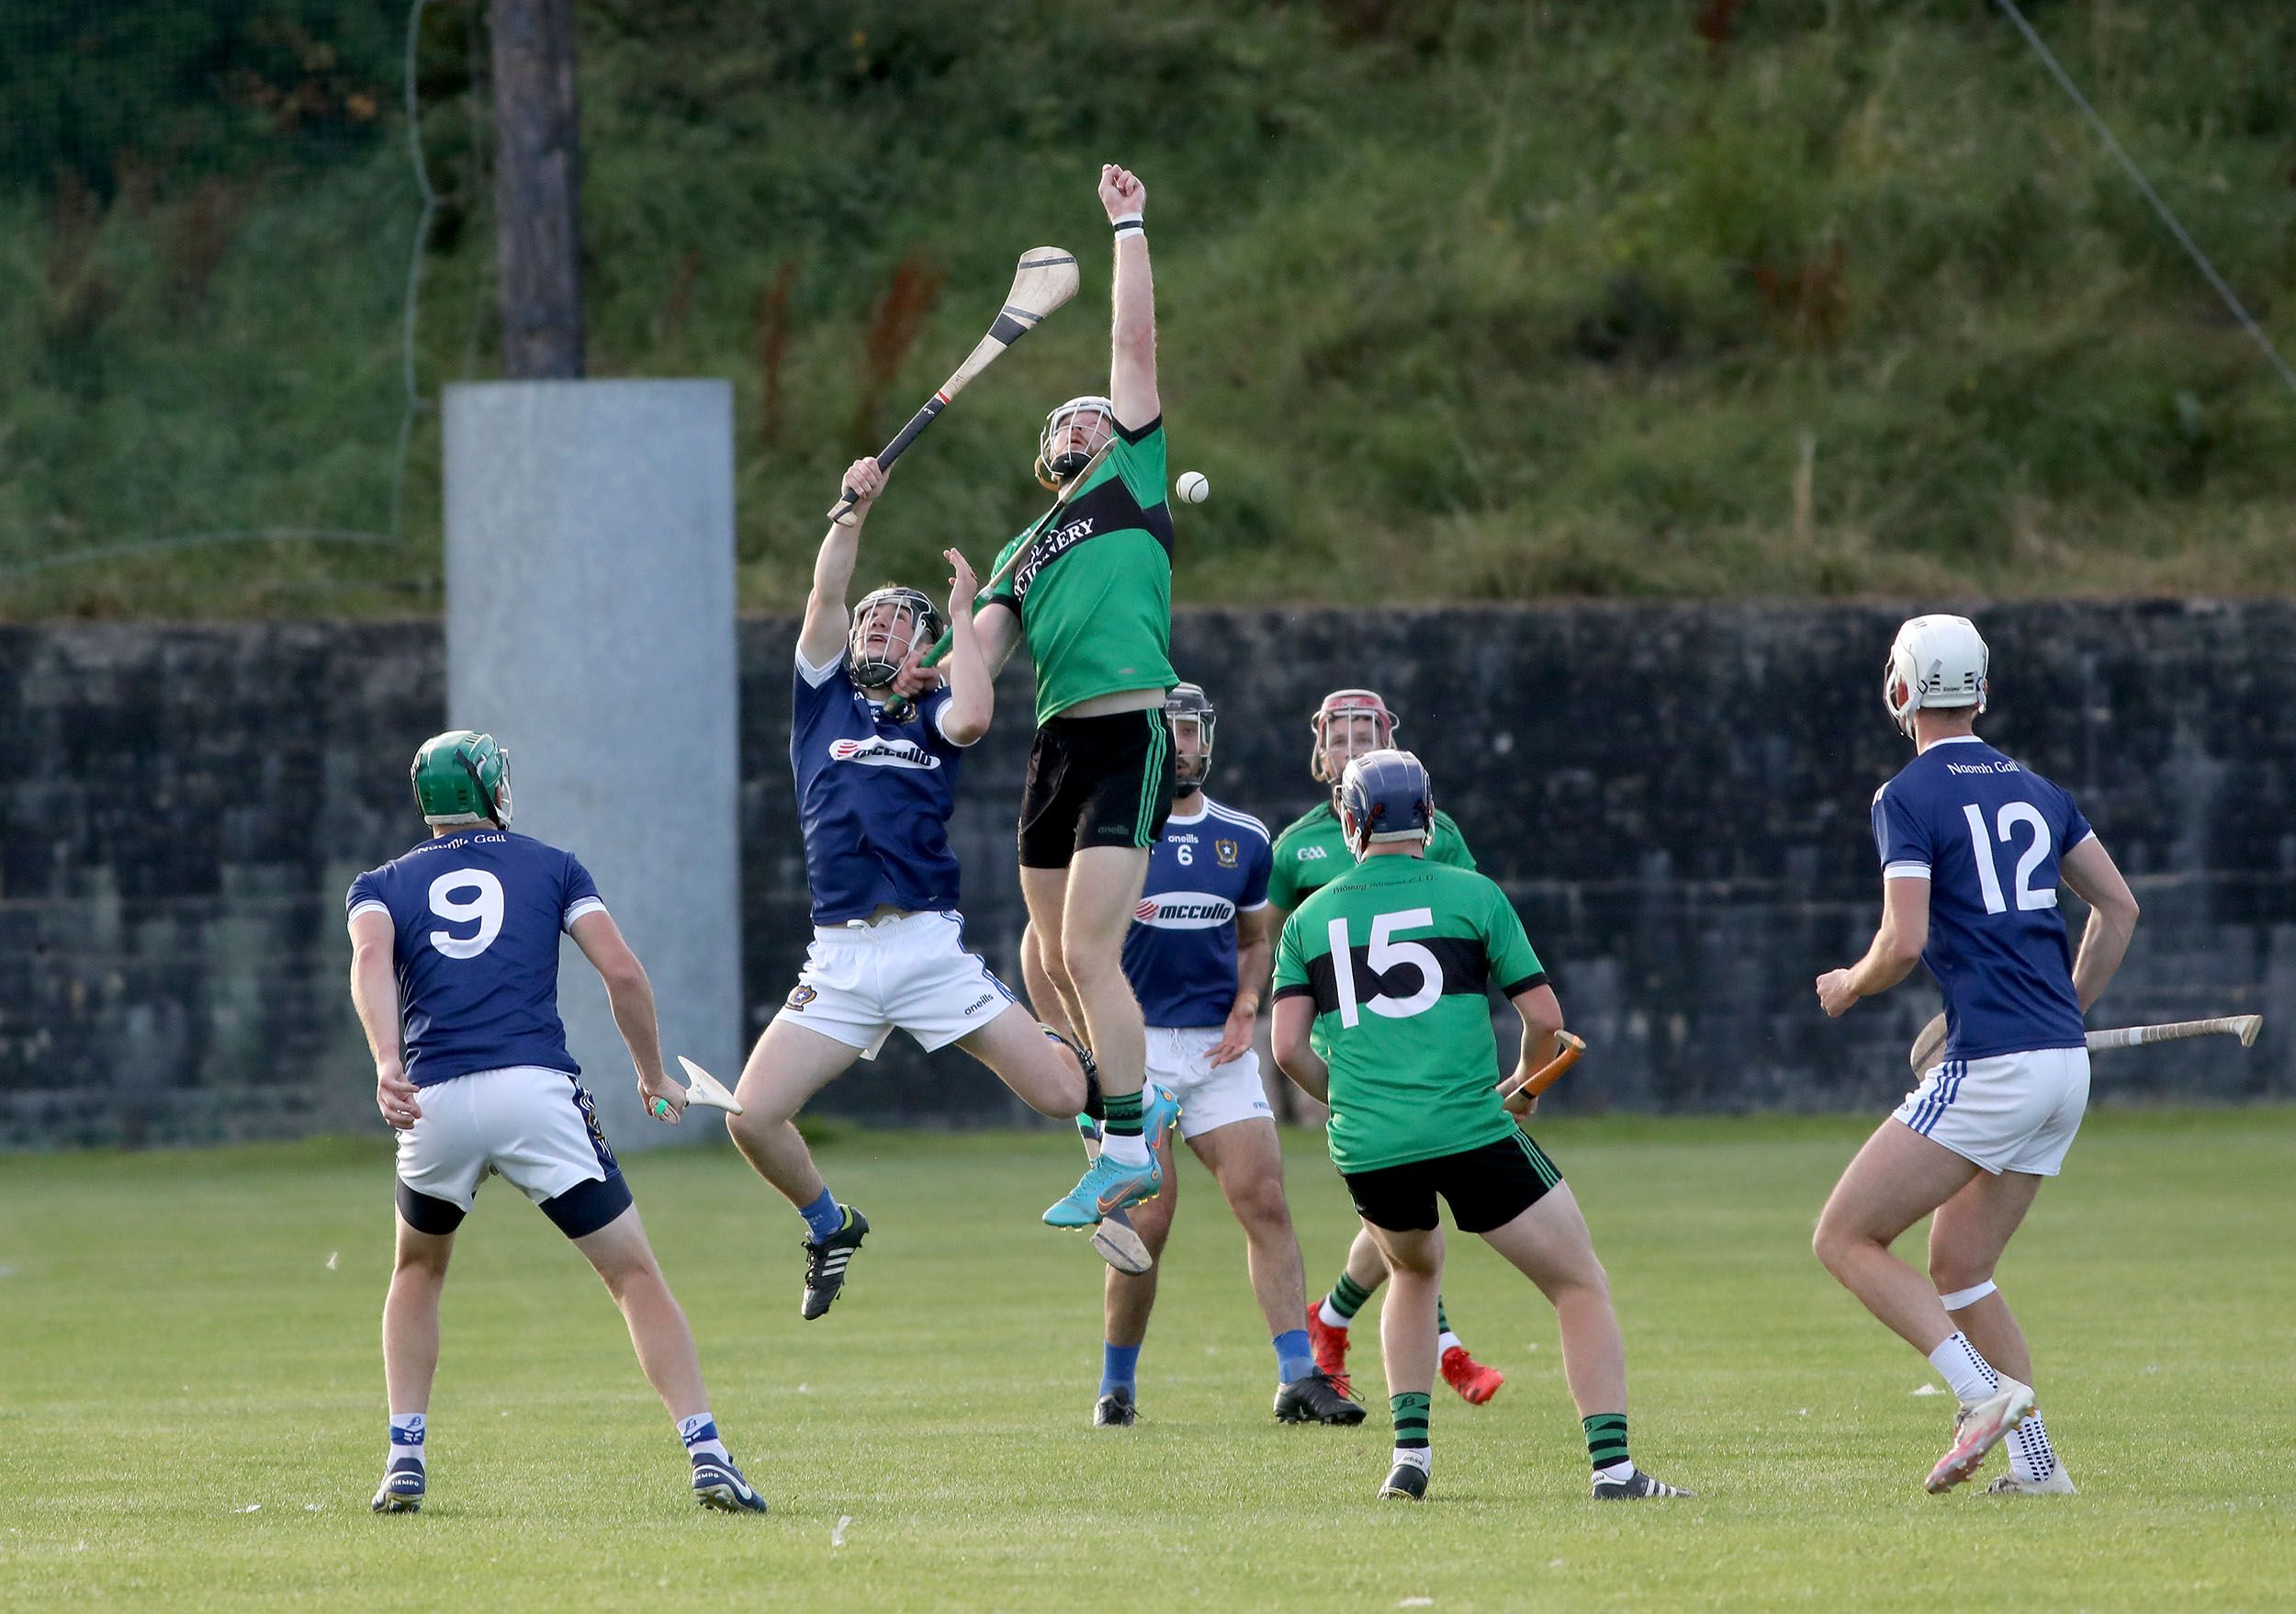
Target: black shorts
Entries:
(1104, 781)
(1487, 1188)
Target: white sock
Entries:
(1419, 1457)
(407, 1430)
(1124, 1151)
(1443, 1342)
(2031, 1457)
(1617, 1471)
(1332, 1319)
(700, 1435)
(1968, 1374)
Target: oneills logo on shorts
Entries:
(877, 751)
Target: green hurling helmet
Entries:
(463, 778)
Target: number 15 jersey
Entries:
(1396, 954)
(476, 917)
(1987, 835)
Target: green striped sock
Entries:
(1607, 1438)
(1409, 1412)
(1443, 1318)
(1123, 1115)
(1348, 1296)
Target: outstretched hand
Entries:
(1121, 192)
(963, 587)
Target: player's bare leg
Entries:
(1127, 1299)
(1330, 1318)
(410, 1360)
(789, 1064)
(1246, 1160)
(1042, 1073)
(1407, 1349)
(1116, 1240)
(625, 1259)
(1898, 1178)
(1044, 893)
(1967, 1237)
(1549, 1244)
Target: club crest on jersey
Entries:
(877, 751)
(1184, 910)
(1224, 852)
(801, 995)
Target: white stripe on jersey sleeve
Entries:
(1244, 820)
(587, 905)
(817, 676)
(941, 726)
(1905, 871)
(369, 906)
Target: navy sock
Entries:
(1117, 1363)
(1293, 1358)
(823, 1216)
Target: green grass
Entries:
(190, 1336)
(1458, 299)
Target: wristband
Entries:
(1128, 224)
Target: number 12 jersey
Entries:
(476, 917)
(1988, 835)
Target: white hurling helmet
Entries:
(1934, 662)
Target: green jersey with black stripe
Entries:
(1312, 851)
(1396, 953)
(1095, 598)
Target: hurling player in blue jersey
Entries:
(876, 784)
(454, 975)
(1196, 956)
(1973, 849)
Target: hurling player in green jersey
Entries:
(1348, 723)
(1093, 601)
(1382, 1013)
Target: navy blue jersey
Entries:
(1180, 952)
(476, 918)
(1987, 834)
(873, 799)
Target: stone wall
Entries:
(1675, 796)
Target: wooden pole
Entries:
(538, 189)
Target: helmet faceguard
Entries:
(1062, 452)
(462, 777)
(888, 625)
(1385, 796)
(1349, 706)
(1188, 703)
(1935, 663)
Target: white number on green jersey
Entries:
(486, 908)
(1386, 954)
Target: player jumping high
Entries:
(1197, 955)
(1973, 846)
(1346, 724)
(454, 975)
(874, 795)
(1380, 1013)
(1094, 602)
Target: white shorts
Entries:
(1180, 1057)
(536, 1127)
(861, 983)
(2011, 1113)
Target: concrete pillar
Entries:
(590, 627)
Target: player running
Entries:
(454, 976)
(1380, 1013)
(1093, 604)
(874, 795)
(1346, 724)
(1197, 955)
(1972, 848)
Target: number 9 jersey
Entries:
(477, 916)
(1987, 835)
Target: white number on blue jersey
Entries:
(486, 909)
(1988, 877)
(1386, 954)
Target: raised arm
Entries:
(631, 995)
(972, 682)
(823, 637)
(374, 995)
(2096, 879)
(1132, 343)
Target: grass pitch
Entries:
(191, 1397)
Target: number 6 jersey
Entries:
(1987, 835)
(477, 916)
(1396, 954)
